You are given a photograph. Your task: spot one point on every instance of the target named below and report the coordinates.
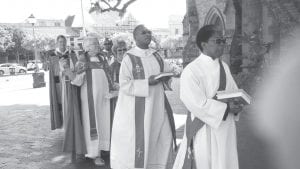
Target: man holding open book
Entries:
(210, 134)
(142, 130)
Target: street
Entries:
(26, 141)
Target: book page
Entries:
(164, 74)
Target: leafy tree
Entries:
(173, 46)
(6, 41)
(18, 37)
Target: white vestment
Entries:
(101, 107)
(215, 143)
(157, 131)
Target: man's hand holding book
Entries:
(236, 100)
(163, 77)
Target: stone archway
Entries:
(215, 17)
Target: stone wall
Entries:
(197, 11)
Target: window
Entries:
(176, 31)
(56, 24)
(42, 23)
(71, 39)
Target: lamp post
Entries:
(32, 21)
(38, 77)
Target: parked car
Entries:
(32, 66)
(11, 68)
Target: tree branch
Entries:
(118, 3)
(104, 1)
(127, 4)
(96, 7)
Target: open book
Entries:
(240, 95)
(164, 74)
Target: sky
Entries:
(152, 13)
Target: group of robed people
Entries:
(143, 131)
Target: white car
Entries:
(31, 66)
(11, 68)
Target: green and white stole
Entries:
(138, 73)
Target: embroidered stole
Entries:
(192, 127)
(92, 115)
(138, 73)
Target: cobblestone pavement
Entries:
(26, 141)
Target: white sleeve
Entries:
(79, 79)
(192, 94)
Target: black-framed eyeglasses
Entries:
(219, 41)
(122, 50)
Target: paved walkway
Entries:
(26, 141)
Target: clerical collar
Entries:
(214, 59)
(57, 50)
(146, 52)
(208, 58)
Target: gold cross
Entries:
(139, 151)
(138, 68)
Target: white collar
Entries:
(57, 50)
(141, 52)
(207, 59)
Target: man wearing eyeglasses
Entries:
(141, 133)
(210, 134)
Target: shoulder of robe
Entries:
(225, 65)
(51, 52)
(192, 68)
(126, 60)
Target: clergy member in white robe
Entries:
(156, 135)
(214, 143)
(99, 86)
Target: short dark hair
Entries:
(108, 41)
(136, 29)
(61, 36)
(204, 34)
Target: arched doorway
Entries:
(215, 17)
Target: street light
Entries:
(32, 21)
(38, 77)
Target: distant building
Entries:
(42, 28)
(161, 33)
(175, 25)
(127, 24)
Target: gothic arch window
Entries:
(215, 17)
